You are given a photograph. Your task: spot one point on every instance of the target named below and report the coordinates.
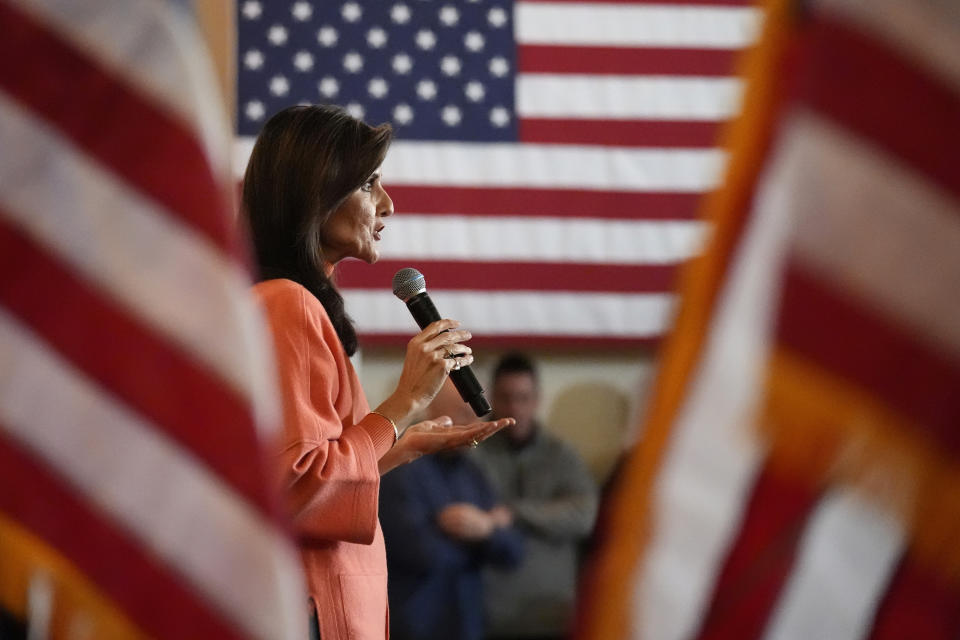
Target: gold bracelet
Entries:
(396, 432)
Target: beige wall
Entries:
(216, 21)
(590, 398)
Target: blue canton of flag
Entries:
(437, 72)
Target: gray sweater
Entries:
(554, 500)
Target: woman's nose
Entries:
(386, 204)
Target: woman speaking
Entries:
(312, 196)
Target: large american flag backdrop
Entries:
(550, 156)
(135, 382)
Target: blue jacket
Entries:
(434, 582)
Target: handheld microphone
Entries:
(410, 286)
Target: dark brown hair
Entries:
(515, 362)
(307, 160)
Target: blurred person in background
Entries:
(312, 196)
(442, 525)
(552, 499)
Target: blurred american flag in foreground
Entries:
(135, 383)
(799, 471)
(550, 155)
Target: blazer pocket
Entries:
(364, 599)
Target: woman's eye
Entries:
(368, 185)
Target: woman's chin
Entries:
(368, 253)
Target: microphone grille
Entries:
(407, 283)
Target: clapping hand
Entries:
(464, 521)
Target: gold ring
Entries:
(474, 444)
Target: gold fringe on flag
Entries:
(80, 611)
(823, 428)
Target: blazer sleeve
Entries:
(328, 469)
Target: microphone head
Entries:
(407, 283)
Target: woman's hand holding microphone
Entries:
(431, 355)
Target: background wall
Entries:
(589, 398)
(216, 19)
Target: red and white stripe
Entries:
(136, 385)
(706, 478)
(857, 217)
(147, 484)
(169, 54)
(577, 228)
(844, 563)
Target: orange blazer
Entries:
(328, 457)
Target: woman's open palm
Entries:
(431, 436)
